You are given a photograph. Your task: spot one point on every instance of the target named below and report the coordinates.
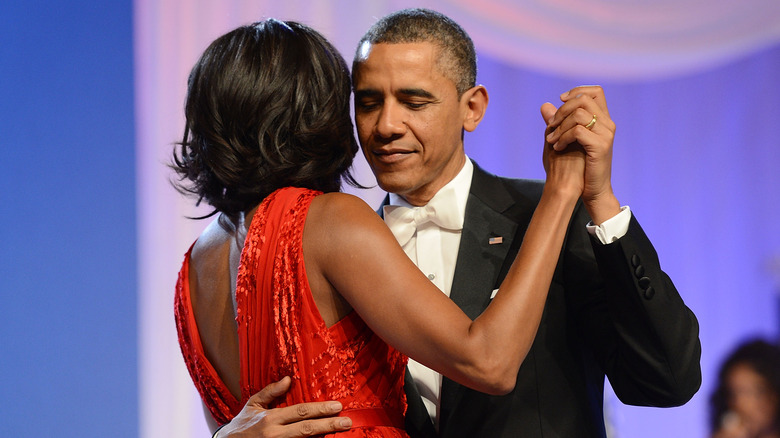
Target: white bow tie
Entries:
(442, 210)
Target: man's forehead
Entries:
(406, 62)
(392, 52)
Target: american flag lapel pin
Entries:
(495, 240)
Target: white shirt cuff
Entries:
(613, 228)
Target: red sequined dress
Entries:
(281, 332)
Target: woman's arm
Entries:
(348, 245)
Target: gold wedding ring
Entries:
(591, 123)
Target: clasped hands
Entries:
(578, 149)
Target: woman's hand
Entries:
(301, 420)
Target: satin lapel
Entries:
(480, 259)
(494, 210)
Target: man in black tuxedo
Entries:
(610, 311)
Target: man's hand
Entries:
(301, 420)
(572, 124)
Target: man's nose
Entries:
(391, 121)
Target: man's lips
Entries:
(389, 156)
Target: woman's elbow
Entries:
(493, 371)
(498, 381)
(504, 387)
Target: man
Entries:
(610, 309)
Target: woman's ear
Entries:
(475, 101)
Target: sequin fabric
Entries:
(281, 332)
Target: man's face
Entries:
(409, 119)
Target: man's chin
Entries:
(394, 184)
(393, 188)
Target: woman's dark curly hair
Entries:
(762, 357)
(267, 107)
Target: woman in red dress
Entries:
(294, 278)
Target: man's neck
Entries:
(461, 181)
(424, 195)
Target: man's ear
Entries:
(475, 101)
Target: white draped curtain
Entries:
(692, 85)
(628, 39)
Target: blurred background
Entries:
(92, 234)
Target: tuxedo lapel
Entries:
(494, 224)
(488, 235)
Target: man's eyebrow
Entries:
(366, 94)
(416, 92)
(405, 92)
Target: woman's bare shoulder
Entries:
(340, 200)
(211, 260)
(342, 212)
(212, 243)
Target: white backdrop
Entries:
(667, 63)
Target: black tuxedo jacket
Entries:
(610, 311)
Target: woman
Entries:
(746, 403)
(268, 139)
